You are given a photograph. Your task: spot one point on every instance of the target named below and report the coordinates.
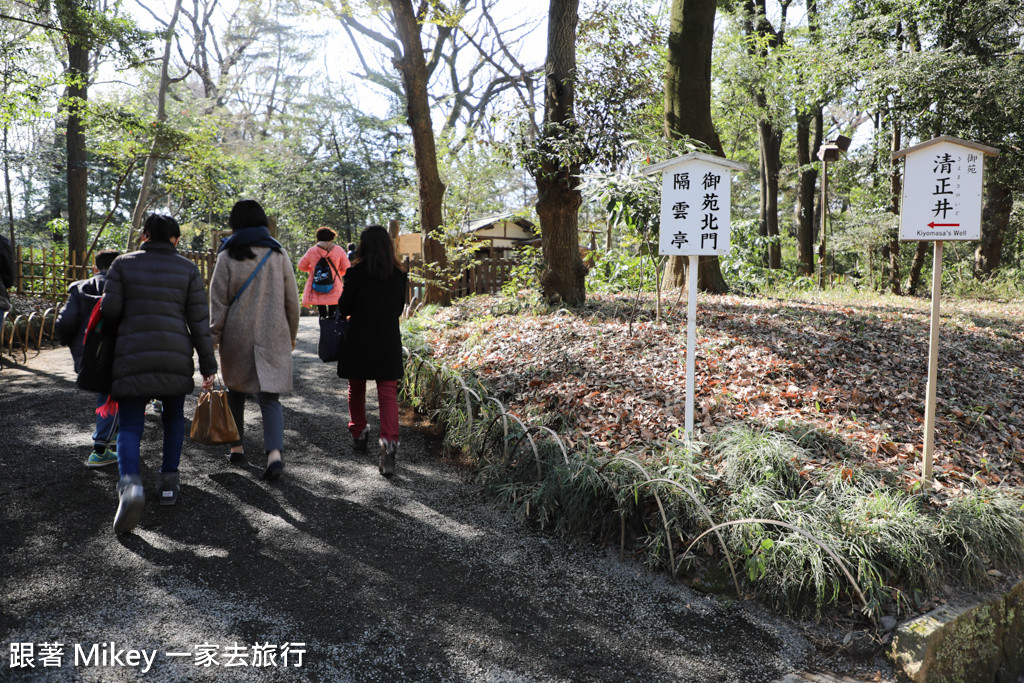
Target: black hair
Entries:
(377, 251)
(105, 257)
(325, 234)
(246, 213)
(351, 246)
(160, 228)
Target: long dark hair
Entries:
(377, 251)
(246, 213)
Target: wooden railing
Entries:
(49, 272)
(42, 272)
(486, 277)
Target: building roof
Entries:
(486, 221)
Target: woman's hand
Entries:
(208, 382)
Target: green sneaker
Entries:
(107, 457)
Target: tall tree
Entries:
(810, 133)
(76, 30)
(413, 67)
(688, 109)
(142, 202)
(470, 60)
(762, 37)
(563, 279)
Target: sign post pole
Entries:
(942, 200)
(691, 338)
(933, 359)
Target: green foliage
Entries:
(523, 283)
(759, 458)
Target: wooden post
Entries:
(393, 229)
(691, 339)
(933, 359)
(824, 209)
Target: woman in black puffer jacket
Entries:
(157, 300)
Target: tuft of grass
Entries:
(984, 528)
(759, 458)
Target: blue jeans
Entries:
(106, 427)
(132, 412)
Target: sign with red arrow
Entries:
(942, 186)
(941, 201)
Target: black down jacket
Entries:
(70, 325)
(373, 349)
(157, 299)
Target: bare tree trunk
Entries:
(895, 190)
(7, 186)
(995, 220)
(78, 176)
(688, 110)
(413, 68)
(558, 197)
(915, 268)
(161, 116)
(805, 148)
(771, 162)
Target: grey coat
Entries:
(157, 300)
(256, 334)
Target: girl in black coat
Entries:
(373, 298)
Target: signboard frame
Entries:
(969, 234)
(694, 160)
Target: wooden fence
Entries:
(487, 277)
(47, 273)
(41, 272)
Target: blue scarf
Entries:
(257, 236)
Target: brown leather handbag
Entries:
(212, 422)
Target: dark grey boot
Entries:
(169, 488)
(388, 451)
(131, 500)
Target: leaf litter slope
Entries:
(855, 369)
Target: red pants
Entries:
(387, 401)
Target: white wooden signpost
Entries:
(942, 200)
(696, 191)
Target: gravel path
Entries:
(418, 578)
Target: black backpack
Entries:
(323, 274)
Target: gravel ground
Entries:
(417, 578)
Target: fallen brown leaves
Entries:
(858, 370)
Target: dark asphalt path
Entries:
(418, 578)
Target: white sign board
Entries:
(942, 193)
(695, 208)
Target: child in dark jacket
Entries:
(70, 329)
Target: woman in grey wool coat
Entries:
(255, 325)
